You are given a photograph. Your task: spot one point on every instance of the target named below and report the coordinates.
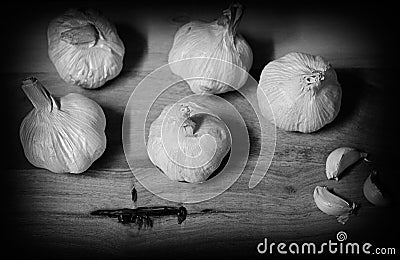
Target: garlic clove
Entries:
(373, 193)
(341, 158)
(333, 205)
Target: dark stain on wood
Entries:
(290, 190)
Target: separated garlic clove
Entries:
(373, 192)
(341, 158)
(333, 205)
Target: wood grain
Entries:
(48, 214)
(346, 38)
(53, 209)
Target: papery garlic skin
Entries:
(213, 52)
(187, 142)
(303, 92)
(85, 48)
(65, 136)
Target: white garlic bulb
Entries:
(62, 136)
(187, 142)
(303, 92)
(85, 48)
(204, 45)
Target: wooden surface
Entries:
(48, 214)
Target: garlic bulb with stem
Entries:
(203, 45)
(188, 142)
(303, 91)
(85, 48)
(62, 136)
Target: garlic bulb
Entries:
(187, 142)
(85, 48)
(62, 136)
(204, 45)
(333, 205)
(302, 90)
